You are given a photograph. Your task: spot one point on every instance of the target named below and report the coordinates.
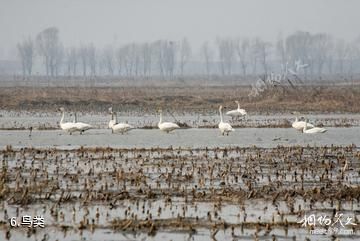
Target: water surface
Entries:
(243, 137)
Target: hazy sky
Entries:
(121, 21)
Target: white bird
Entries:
(224, 127)
(80, 126)
(119, 127)
(166, 126)
(112, 122)
(299, 125)
(313, 130)
(69, 127)
(238, 112)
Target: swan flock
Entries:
(224, 127)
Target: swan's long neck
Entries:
(62, 117)
(160, 118)
(75, 117)
(296, 119)
(116, 117)
(238, 106)
(221, 118)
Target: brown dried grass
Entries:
(183, 99)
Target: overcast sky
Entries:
(121, 21)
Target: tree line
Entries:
(324, 55)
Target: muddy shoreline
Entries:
(180, 190)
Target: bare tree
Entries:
(120, 60)
(92, 59)
(185, 54)
(146, 58)
(341, 53)
(26, 53)
(207, 54)
(49, 47)
(109, 59)
(83, 54)
(242, 49)
(318, 52)
(58, 61)
(136, 55)
(226, 49)
(330, 54)
(72, 59)
(281, 50)
(170, 50)
(254, 56)
(352, 58)
(321, 46)
(160, 55)
(128, 54)
(165, 52)
(264, 51)
(299, 47)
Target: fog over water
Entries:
(117, 22)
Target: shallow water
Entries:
(147, 138)
(243, 137)
(50, 120)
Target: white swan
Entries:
(69, 127)
(299, 125)
(313, 130)
(237, 112)
(112, 122)
(224, 127)
(119, 127)
(80, 126)
(166, 126)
